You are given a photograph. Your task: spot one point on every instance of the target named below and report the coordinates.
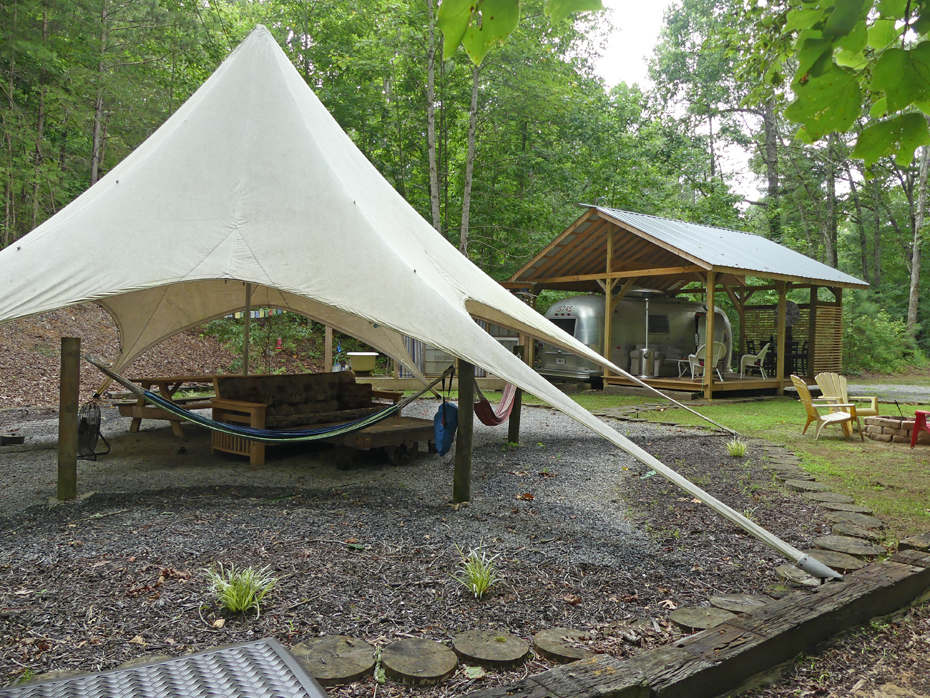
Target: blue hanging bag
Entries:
(445, 423)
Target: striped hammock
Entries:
(271, 436)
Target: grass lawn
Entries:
(891, 479)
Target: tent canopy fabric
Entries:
(253, 181)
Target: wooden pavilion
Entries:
(614, 252)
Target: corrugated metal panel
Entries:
(731, 248)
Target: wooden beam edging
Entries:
(722, 658)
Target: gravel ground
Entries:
(586, 538)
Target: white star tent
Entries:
(253, 182)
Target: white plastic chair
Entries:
(696, 360)
(747, 362)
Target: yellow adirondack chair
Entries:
(838, 413)
(833, 386)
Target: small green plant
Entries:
(736, 447)
(477, 571)
(241, 590)
(26, 676)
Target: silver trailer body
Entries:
(676, 329)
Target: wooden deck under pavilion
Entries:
(614, 252)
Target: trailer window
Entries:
(567, 324)
(658, 324)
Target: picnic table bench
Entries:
(167, 387)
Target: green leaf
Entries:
(557, 10)
(903, 75)
(899, 136)
(475, 672)
(498, 18)
(811, 54)
(845, 16)
(453, 20)
(883, 33)
(892, 9)
(802, 19)
(879, 108)
(856, 40)
(827, 103)
(848, 59)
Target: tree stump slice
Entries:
(418, 662)
(841, 562)
(335, 659)
(701, 618)
(829, 497)
(796, 576)
(850, 529)
(738, 603)
(850, 546)
(556, 644)
(850, 508)
(491, 648)
(852, 517)
(806, 486)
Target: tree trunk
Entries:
(96, 156)
(469, 162)
(713, 156)
(860, 223)
(9, 221)
(431, 118)
(829, 228)
(877, 236)
(773, 198)
(40, 127)
(919, 222)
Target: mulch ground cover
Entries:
(89, 586)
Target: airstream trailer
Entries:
(676, 329)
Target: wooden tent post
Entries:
(327, 349)
(812, 332)
(247, 331)
(461, 483)
(709, 336)
(68, 417)
(513, 425)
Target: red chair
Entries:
(920, 424)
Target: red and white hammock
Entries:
(487, 413)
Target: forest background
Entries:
(495, 156)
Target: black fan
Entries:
(89, 431)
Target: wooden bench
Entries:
(310, 400)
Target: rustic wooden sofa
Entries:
(309, 400)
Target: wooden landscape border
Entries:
(722, 658)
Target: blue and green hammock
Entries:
(271, 436)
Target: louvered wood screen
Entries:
(828, 340)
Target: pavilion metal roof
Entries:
(666, 254)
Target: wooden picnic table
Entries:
(167, 387)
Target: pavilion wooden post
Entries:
(709, 336)
(513, 424)
(68, 417)
(461, 482)
(328, 349)
(741, 312)
(812, 332)
(780, 335)
(608, 286)
(247, 330)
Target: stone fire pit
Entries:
(893, 429)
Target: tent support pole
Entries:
(513, 426)
(328, 349)
(68, 417)
(247, 333)
(461, 483)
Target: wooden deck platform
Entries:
(731, 384)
